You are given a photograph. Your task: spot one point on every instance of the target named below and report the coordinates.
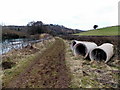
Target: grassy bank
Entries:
(107, 31)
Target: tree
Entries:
(31, 23)
(35, 27)
(95, 26)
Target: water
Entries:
(10, 44)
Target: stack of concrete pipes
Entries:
(103, 52)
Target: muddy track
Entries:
(48, 71)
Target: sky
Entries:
(75, 14)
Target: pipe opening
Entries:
(99, 55)
(73, 43)
(80, 49)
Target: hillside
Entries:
(60, 30)
(113, 30)
(34, 28)
(13, 33)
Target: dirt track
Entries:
(47, 71)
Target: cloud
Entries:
(81, 14)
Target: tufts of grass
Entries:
(12, 73)
(87, 74)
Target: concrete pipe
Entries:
(103, 52)
(74, 42)
(83, 48)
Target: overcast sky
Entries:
(76, 14)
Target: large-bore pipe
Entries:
(83, 48)
(103, 52)
(74, 42)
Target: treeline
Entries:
(38, 27)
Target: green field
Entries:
(113, 30)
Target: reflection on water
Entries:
(10, 44)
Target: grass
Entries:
(44, 70)
(87, 74)
(10, 74)
(107, 31)
(22, 63)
